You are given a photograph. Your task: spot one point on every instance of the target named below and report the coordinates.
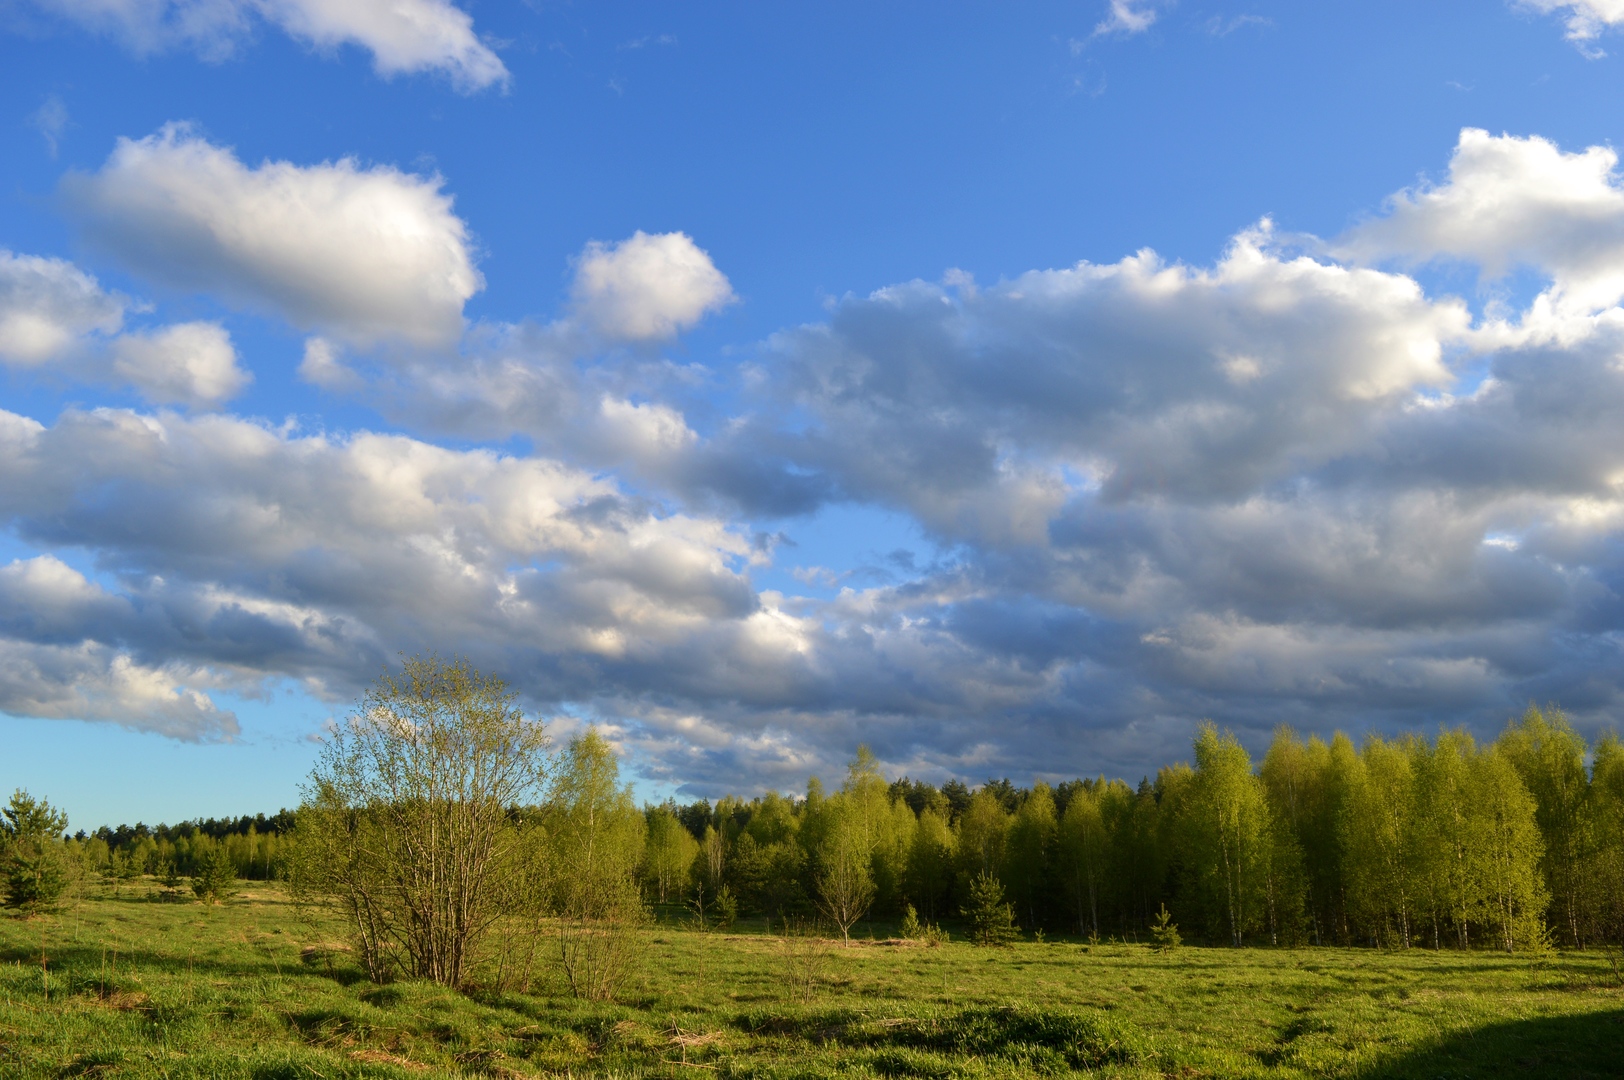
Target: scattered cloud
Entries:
(51, 121)
(1127, 17)
(1586, 19)
(1511, 202)
(648, 288)
(366, 255)
(646, 40)
(48, 306)
(187, 364)
(404, 36)
(1223, 26)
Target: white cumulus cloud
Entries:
(1586, 19)
(47, 306)
(187, 363)
(647, 288)
(1513, 202)
(367, 255)
(404, 36)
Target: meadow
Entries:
(136, 985)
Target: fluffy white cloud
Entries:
(1586, 19)
(48, 306)
(188, 363)
(647, 288)
(1511, 202)
(403, 36)
(980, 410)
(367, 255)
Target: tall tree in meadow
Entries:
(1510, 849)
(1324, 860)
(1380, 836)
(1606, 869)
(1448, 855)
(1228, 829)
(845, 888)
(1082, 851)
(668, 854)
(982, 831)
(596, 834)
(1304, 786)
(889, 861)
(775, 827)
(1174, 847)
(930, 863)
(1550, 758)
(1029, 850)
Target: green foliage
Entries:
(991, 917)
(1164, 932)
(844, 886)
(669, 852)
(910, 927)
(406, 827)
(36, 867)
(725, 912)
(1229, 834)
(215, 878)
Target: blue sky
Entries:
(754, 380)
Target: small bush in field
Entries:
(216, 877)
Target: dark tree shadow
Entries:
(1590, 1045)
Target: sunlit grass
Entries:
(143, 988)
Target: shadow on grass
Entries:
(1590, 1045)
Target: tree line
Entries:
(451, 837)
(1397, 842)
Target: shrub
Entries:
(216, 876)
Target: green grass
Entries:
(144, 988)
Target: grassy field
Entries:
(136, 987)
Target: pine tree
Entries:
(1164, 932)
(991, 917)
(34, 863)
(215, 877)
